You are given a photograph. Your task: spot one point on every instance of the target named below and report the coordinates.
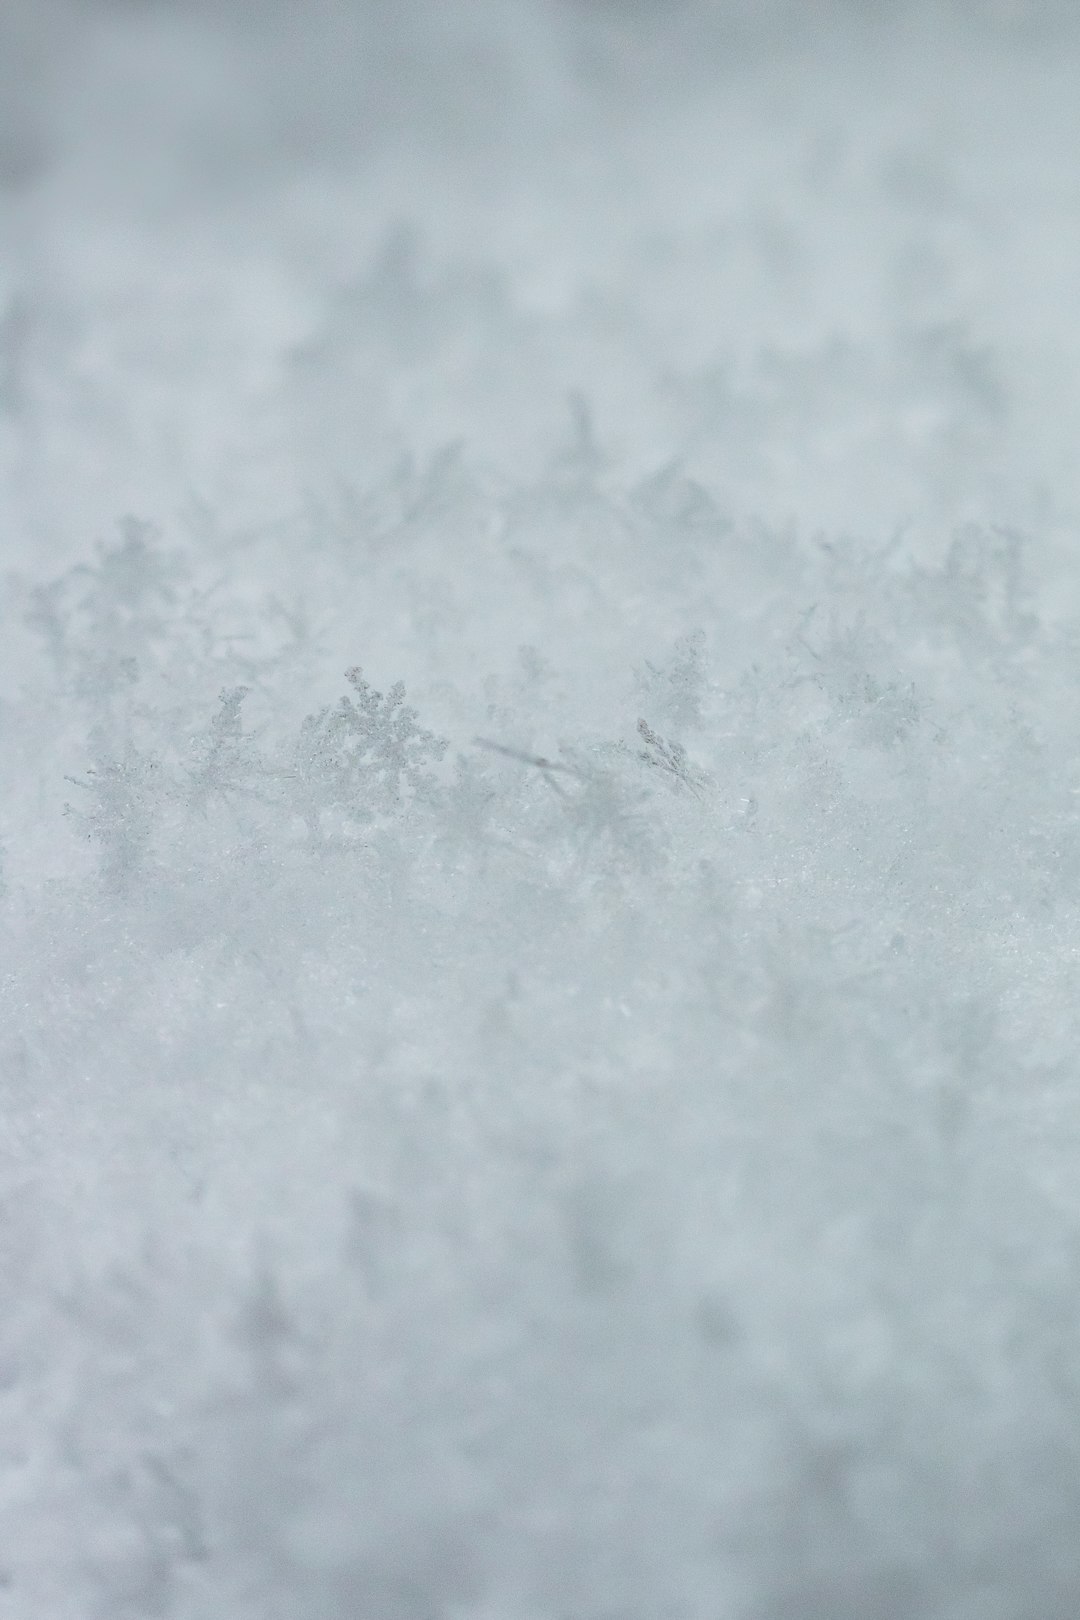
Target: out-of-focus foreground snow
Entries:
(594, 1135)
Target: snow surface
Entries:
(539, 938)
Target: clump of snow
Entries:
(540, 841)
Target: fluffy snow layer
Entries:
(539, 938)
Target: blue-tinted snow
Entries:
(538, 928)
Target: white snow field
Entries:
(540, 805)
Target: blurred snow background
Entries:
(592, 1135)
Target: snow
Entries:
(539, 938)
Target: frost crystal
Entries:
(602, 1143)
(365, 757)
